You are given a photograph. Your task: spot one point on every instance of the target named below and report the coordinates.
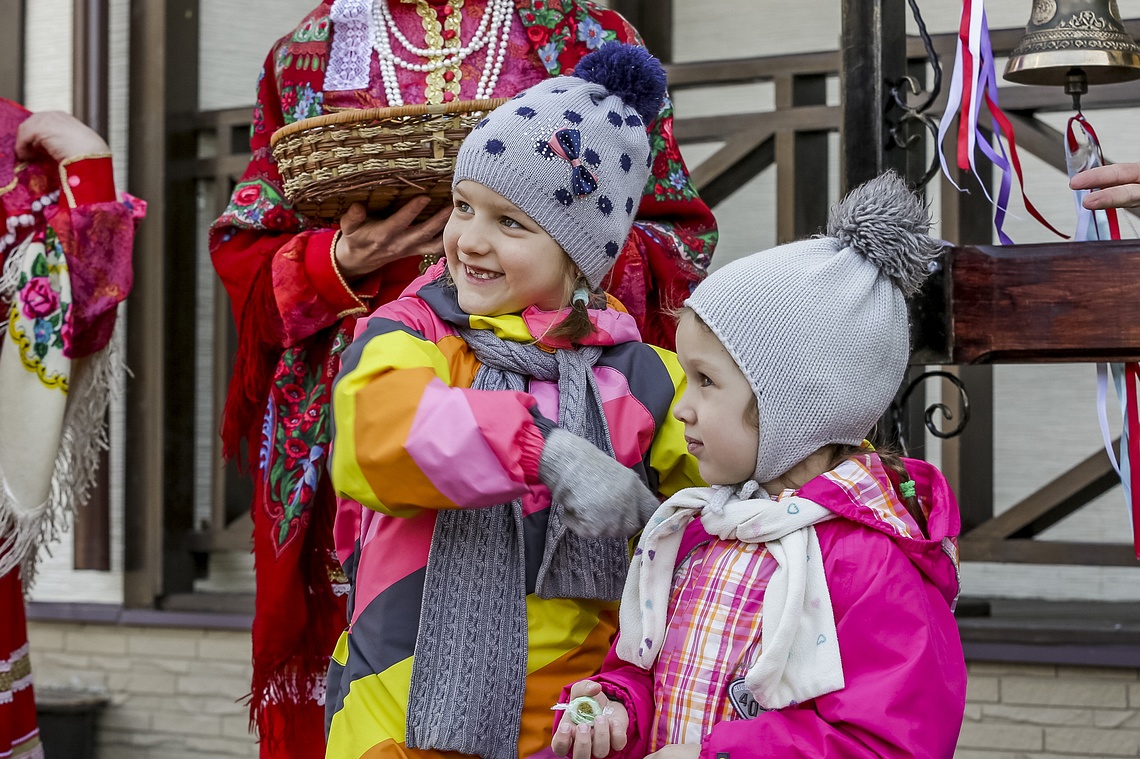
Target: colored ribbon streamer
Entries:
(1132, 433)
(972, 84)
(1082, 152)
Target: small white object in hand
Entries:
(582, 710)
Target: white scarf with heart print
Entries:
(799, 657)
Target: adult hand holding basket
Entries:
(378, 157)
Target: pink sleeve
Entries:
(905, 690)
(633, 687)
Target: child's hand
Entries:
(58, 135)
(677, 751)
(607, 732)
(600, 497)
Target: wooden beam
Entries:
(968, 458)
(12, 50)
(801, 161)
(1053, 502)
(1048, 552)
(743, 157)
(1049, 302)
(91, 530)
(873, 54)
(653, 20)
(712, 128)
(163, 84)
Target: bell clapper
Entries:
(1076, 84)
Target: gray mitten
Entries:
(600, 498)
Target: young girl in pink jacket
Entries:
(800, 606)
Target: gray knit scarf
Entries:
(469, 670)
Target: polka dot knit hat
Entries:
(573, 152)
(820, 326)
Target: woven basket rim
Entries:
(378, 114)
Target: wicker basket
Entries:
(378, 156)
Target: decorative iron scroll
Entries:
(902, 90)
(898, 410)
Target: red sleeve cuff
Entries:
(327, 280)
(87, 179)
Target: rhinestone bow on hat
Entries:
(567, 145)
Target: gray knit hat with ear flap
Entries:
(573, 152)
(820, 326)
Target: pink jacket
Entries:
(905, 675)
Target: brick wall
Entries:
(174, 693)
(1019, 711)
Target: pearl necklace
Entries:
(498, 14)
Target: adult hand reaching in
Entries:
(57, 135)
(1118, 186)
(367, 244)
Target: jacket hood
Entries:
(860, 491)
(613, 324)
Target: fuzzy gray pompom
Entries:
(888, 224)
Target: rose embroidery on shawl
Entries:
(41, 307)
(247, 195)
(253, 201)
(295, 438)
(38, 297)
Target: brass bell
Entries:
(1074, 43)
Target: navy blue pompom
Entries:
(629, 72)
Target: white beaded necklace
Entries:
(498, 15)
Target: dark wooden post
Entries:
(159, 504)
(801, 162)
(873, 59)
(968, 460)
(873, 54)
(653, 19)
(12, 50)
(91, 533)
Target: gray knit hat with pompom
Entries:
(820, 326)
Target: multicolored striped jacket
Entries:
(411, 438)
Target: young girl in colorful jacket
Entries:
(496, 397)
(801, 606)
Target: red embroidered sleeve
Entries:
(96, 230)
